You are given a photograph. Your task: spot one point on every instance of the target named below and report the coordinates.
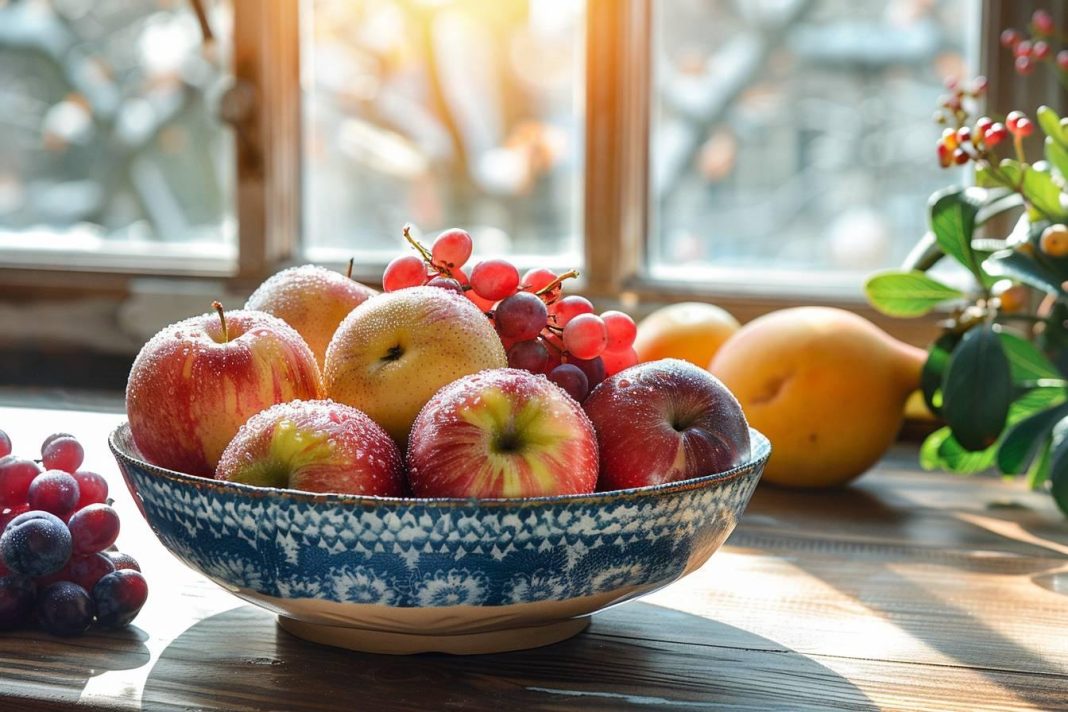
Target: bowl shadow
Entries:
(255, 665)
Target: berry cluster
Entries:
(1036, 46)
(57, 559)
(544, 331)
(976, 143)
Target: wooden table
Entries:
(909, 590)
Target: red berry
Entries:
(52, 437)
(995, 134)
(402, 272)
(1024, 65)
(5, 444)
(1042, 22)
(964, 134)
(566, 309)
(621, 331)
(118, 597)
(16, 474)
(945, 156)
(616, 361)
(1024, 127)
(495, 279)
(960, 157)
(585, 336)
(1012, 118)
(1022, 49)
(451, 248)
(536, 279)
(1062, 59)
(63, 453)
(9, 513)
(1010, 38)
(979, 85)
(1041, 50)
(982, 125)
(123, 561)
(87, 570)
(93, 529)
(92, 488)
(54, 491)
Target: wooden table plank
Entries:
(907, 591)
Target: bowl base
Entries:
(390, 643)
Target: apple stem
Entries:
(218, 307)
(348, 272)
(557, 282)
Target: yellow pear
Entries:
(826, 386)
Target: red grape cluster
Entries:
(57, 559)
(543, 331)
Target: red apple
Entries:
(316, 446)
(665, 421)
(196, 382)
(501, 433)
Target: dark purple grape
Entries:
(92, 488)
(94, 528)
(571, 379)
(62, 453)
(16, 600)
(16, 474)
(5, 444)
(35, 544)
(119, 597)
(87, 570)
(65, 608)
(521, 316)
(446, 283)
(593, 368)
(123, 561)
(54, 491)
(530, 355)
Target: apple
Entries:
(311, 299)
(397, 349)
(316, 446)
(196, 382)
(665, 421)
(502, 433)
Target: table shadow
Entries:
(241, 660)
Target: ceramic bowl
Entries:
(449, 575)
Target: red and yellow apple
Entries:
(394, 352)
(502, 433)
(195, 383)
(311, 299)
(316, 446)
(665, 421)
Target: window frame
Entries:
(263, 105)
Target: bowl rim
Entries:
(759, 452)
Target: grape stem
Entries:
(556, 282)
(218, 307)
(425, 253)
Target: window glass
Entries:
(443, 113)
(796, 138)
(108, 141)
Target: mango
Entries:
(691, 331)
(826, 386)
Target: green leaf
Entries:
(1042, 193)
(934, 368)
(1039, 470)
(977, 389)
(1016, 265)
(923, 255)
(1057, 155)
(1022, 441)
(952, 216)
(1051, 125)
(1058, 469)
(1026, 361)
(905, 294)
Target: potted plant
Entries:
(998, 374)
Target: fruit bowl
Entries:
(398, 575)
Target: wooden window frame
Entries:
(263, 105)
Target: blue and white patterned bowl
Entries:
(452, 575)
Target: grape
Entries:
(65, 608)
(521, 316)
(451, 248)
(568, 308)
(530, 355)
(16, 474)
(35, 544)
(484, 305)
(616, 361)
(119, 596)
(537, 279)
(402, 272)
(572, 380)
(92, 488)
(87, 570)
(4, 570)
(123, 561)
(585, 336)
(63, 453)
(621, 330)
(5, 444)
(54, 491)
(593, 368)
(446, 283)
(17, 594)
(94, 528)
(9, 513)
(494, 279)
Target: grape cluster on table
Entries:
(544, 331)
(58, 564)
